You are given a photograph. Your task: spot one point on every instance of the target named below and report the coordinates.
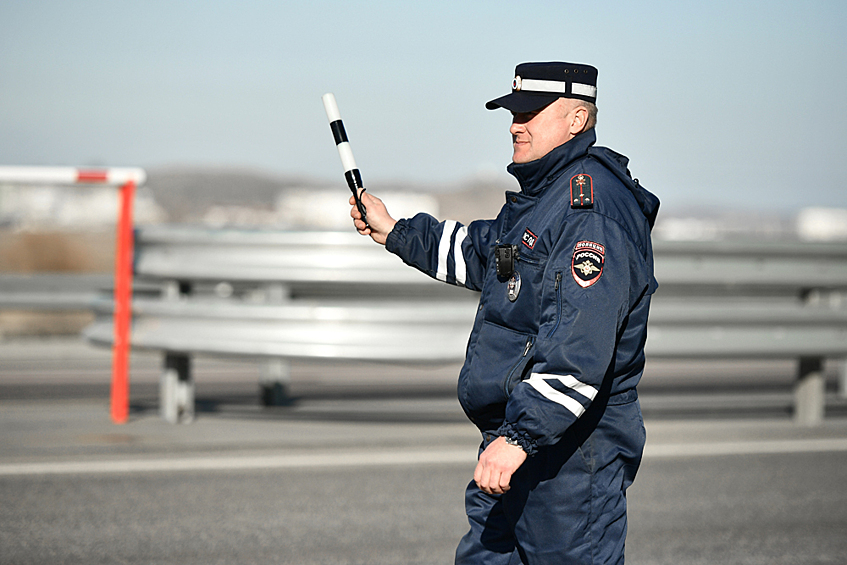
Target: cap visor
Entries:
(521, 102)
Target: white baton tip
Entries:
(331, 107)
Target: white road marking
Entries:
(464, 456)
(229, 463)
(665, 451)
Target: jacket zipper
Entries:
(525, 259)
(558, 302)
(529, 343)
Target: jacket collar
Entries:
(534, 176)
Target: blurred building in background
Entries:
(48, 228)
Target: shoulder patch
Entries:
(587, 262)
(582, 191)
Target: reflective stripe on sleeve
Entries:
(461, 269)
(444, 249)
(539, 383)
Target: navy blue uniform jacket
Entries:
(578, 319)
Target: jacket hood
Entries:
(617, 163)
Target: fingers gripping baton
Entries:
(351, 173)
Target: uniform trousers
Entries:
(567, 502)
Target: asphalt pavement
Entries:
(368, 464)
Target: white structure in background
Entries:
(329, 209)
(822, 224)
(687, 229)
(37, 207)
(222, 216)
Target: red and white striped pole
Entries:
(128, 179)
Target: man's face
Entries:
(535, 134)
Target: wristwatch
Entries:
(512, 441)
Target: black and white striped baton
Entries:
(351, 173)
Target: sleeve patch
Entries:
(587, 262)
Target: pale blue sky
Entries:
(732, 103)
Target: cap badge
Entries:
(516, 84)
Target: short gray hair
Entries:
(592, 113)
(590, 107)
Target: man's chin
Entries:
(520, 156)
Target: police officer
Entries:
(565, 273)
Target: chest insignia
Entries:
(514, 286)
(529, 239)
(587, 263)
(582, 191)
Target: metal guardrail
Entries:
(300, 259)
(167, 252)
(437, 332)
(748, 329)
(286, 295)
(52, 292)
(790, 266)
(361, 331)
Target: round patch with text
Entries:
(587, 262)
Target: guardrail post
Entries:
(276, 373)
(176, 389)
(174, 291)
(809, 392)
(275, 381)
(176, 385)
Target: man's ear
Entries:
(579, 118)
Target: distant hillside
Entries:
(188, 194)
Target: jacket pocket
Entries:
(497, 364)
